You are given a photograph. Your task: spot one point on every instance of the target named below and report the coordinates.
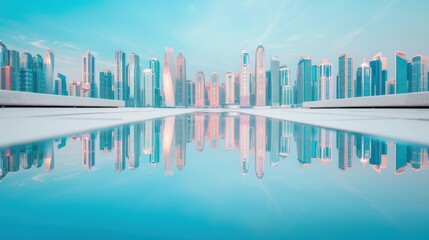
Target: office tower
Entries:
(229, 88)
(324, 71)
(199, 131)
(60, 85)
(154, 65)
(180, 89)
(49, 70)
(213, 92)
(167, 79)
(252, 87)
(303, 83)
(14, 63)
(190, 92)
(26, 73)
(199, 89)
(4, 55)
(378, 66)
(390, 86)
(88, 150)
(39, 82)
(419, 71)
(106, 85)
(119, 76)
(244, 143)
(401, 72)
(75, 89)
(315, 83)
(286, 86)
(363, 80)
(345, 86)
(260, 80)
(148, 96)
(6, 74)
(106, 140)
(275, 80)
(134, 85)
(261, 135)
(244, 79)
(88, 87)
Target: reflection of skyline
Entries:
(252, 136)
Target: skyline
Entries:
(192, 32)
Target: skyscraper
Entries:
(167, 79)
(6, 77)
(244, 79)
(190, 93)
(4, 55)
(49, 70)
(148, 96)
(260, 76)
(119, 75)
(135, 87)
(325, 79)
(315, 83)
(345, 84)
(419, 71)
(213, 92)
(303, 83)
(26, 73)
(154, 65)
(229, 88)
(378, 66)
(275, 80)
(401, 72)
(199, 89)
(180, 90)
(106, 85)
(14, 63)
(60, 85)
(39, 82)
(363, 80)
(88, 87)
(286, 86)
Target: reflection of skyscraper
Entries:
(120, 148)
(418, 157)
(135, 145)
(199, 131)
(345, 145)
(275, 143)
(180, 147)
(285, 138)
(167, 77)
(48, 155)
(303, 144)
(244, 143)
(401, 157)
(167, 142)
(260, 146)
(106, 140)
(88, 150)
(363, 148)
(378, 154)
(213, 130)
(229, 134)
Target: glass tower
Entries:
(119, 75)
(49, 70)
(260, 76)
(154, 65)
(244, 79)
(303, 84)
(181, 90)
(167, 79)
(401, 72)
(275, 80)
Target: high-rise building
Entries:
(49, 70)
(325, 78)
(4, 55)
(286, 86)
(39, 82)
(260, 80)
(60, 85)
(419, 71)
(75, 89)
(303, 83)
(390, 86)
(244, 79)
(315, 83)
(148, 96)
(199, 89)
(119, 76)
(167, 79)
(88, 87)
(213, 93)
(135, 88)
(106, 85)
(154, 65)
(378, 66)
(345, 86)
(363, 80)
(275, 80)
(190, 92)
(180, 86)
(14, 63)
(401, 72)
(26, 73)
(6, 74)
(229, 88)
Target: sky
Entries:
(212, 34)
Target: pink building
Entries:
(244, 143)
(199, 131)
(213, 130)
(260, 77)
(199, 89)
(229, 88)
(213, 92)
(229, 134)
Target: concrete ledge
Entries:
(420, 99)
(21, 99)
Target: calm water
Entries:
(212, 175)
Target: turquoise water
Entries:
(212, 176)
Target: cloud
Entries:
(68, 45)
(40, 44)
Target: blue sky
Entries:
(212, 34)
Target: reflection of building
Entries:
(244, 143)
(363, 148)
(229, 134)
(88, 150)
(325, 146)
(199, 131)
(134, 146)
(286, 135)
(345, 143)
(275, 143)
(378, 155)
(120, 147)
(167, 142)
(106, 140)
(213, 131)
(180, 147)
(260, 146)
(48, 155)
(303, 144)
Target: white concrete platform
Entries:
(420, 99)
(15, 98)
